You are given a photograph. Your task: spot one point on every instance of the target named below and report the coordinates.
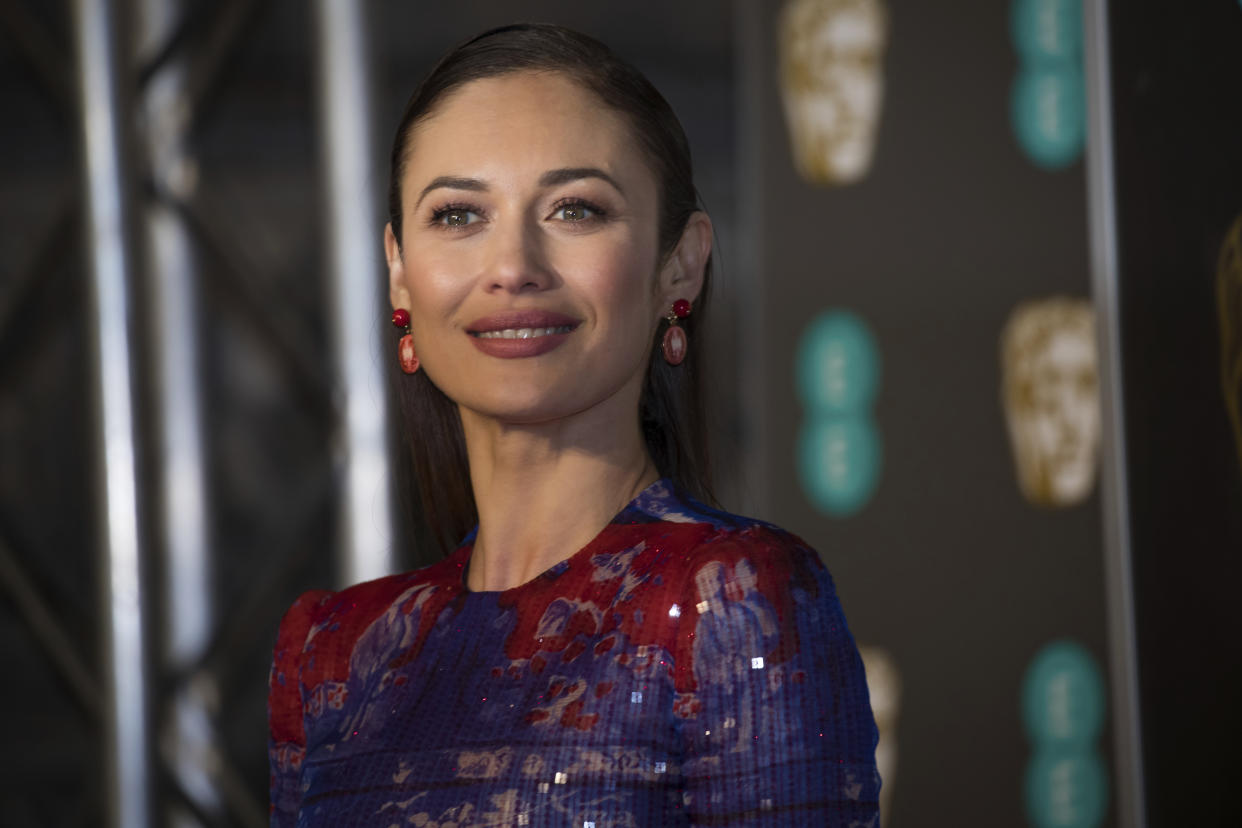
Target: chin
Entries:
(528, 415)
(513, 396)
(520, 405)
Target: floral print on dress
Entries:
(685, 667)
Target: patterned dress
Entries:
(686, 667)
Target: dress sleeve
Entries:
(286, 735)
(777, 727)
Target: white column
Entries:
(126, 743)
(187, 738)
(1102, 204)
(356, 287)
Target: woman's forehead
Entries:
(523, 120)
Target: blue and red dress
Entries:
(686, 667)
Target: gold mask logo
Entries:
(1050, 394)
(832, 84)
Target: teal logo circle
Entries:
(1066, 790)
(1046, 30)
(839, 462)
(838, 364)
(1063, 697)
(1049, 112)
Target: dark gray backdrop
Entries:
(948, 567)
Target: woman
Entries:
(548, 266)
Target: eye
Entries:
(454, 216)
(576, 211)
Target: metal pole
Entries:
(187, 736)
(355, 280)
(1102, 202)
(127, 757)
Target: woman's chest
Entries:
(562, 671)
(576, 717)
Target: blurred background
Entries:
(977, 337)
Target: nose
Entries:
(518, 262)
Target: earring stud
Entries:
(675, 342)
(406, 356)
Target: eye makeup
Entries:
(443, 216)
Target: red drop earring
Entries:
(675, 342)
(405, 348)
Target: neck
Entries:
(544, 491)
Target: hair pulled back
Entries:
(671, 410)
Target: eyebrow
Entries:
(551, 178)
(451, 182)
(566, 174)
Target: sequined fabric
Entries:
(686, 667)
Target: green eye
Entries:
(576, 211)
(454, 216)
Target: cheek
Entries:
(642, 310)
(620, 284)
(628, 291)
(435, 290)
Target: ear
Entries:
(398, 293)
(682, 275)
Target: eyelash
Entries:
(437, 215)
(597, 212)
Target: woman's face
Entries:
(529, 259)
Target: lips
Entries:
(520, 333)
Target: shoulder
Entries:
(756, 537)
(760, 560)
(319, 632)
(748, 585)
(331, 621)
(297, 621)
(667, 503)
(742, 546)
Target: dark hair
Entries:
(671, 408)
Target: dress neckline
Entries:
(644, 506)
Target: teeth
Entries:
(522, 333)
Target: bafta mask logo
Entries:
(1229, 305)
(1051, 399)
(832, 84)
(884, 685)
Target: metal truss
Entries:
(171, 265)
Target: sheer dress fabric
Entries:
(686, 667)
